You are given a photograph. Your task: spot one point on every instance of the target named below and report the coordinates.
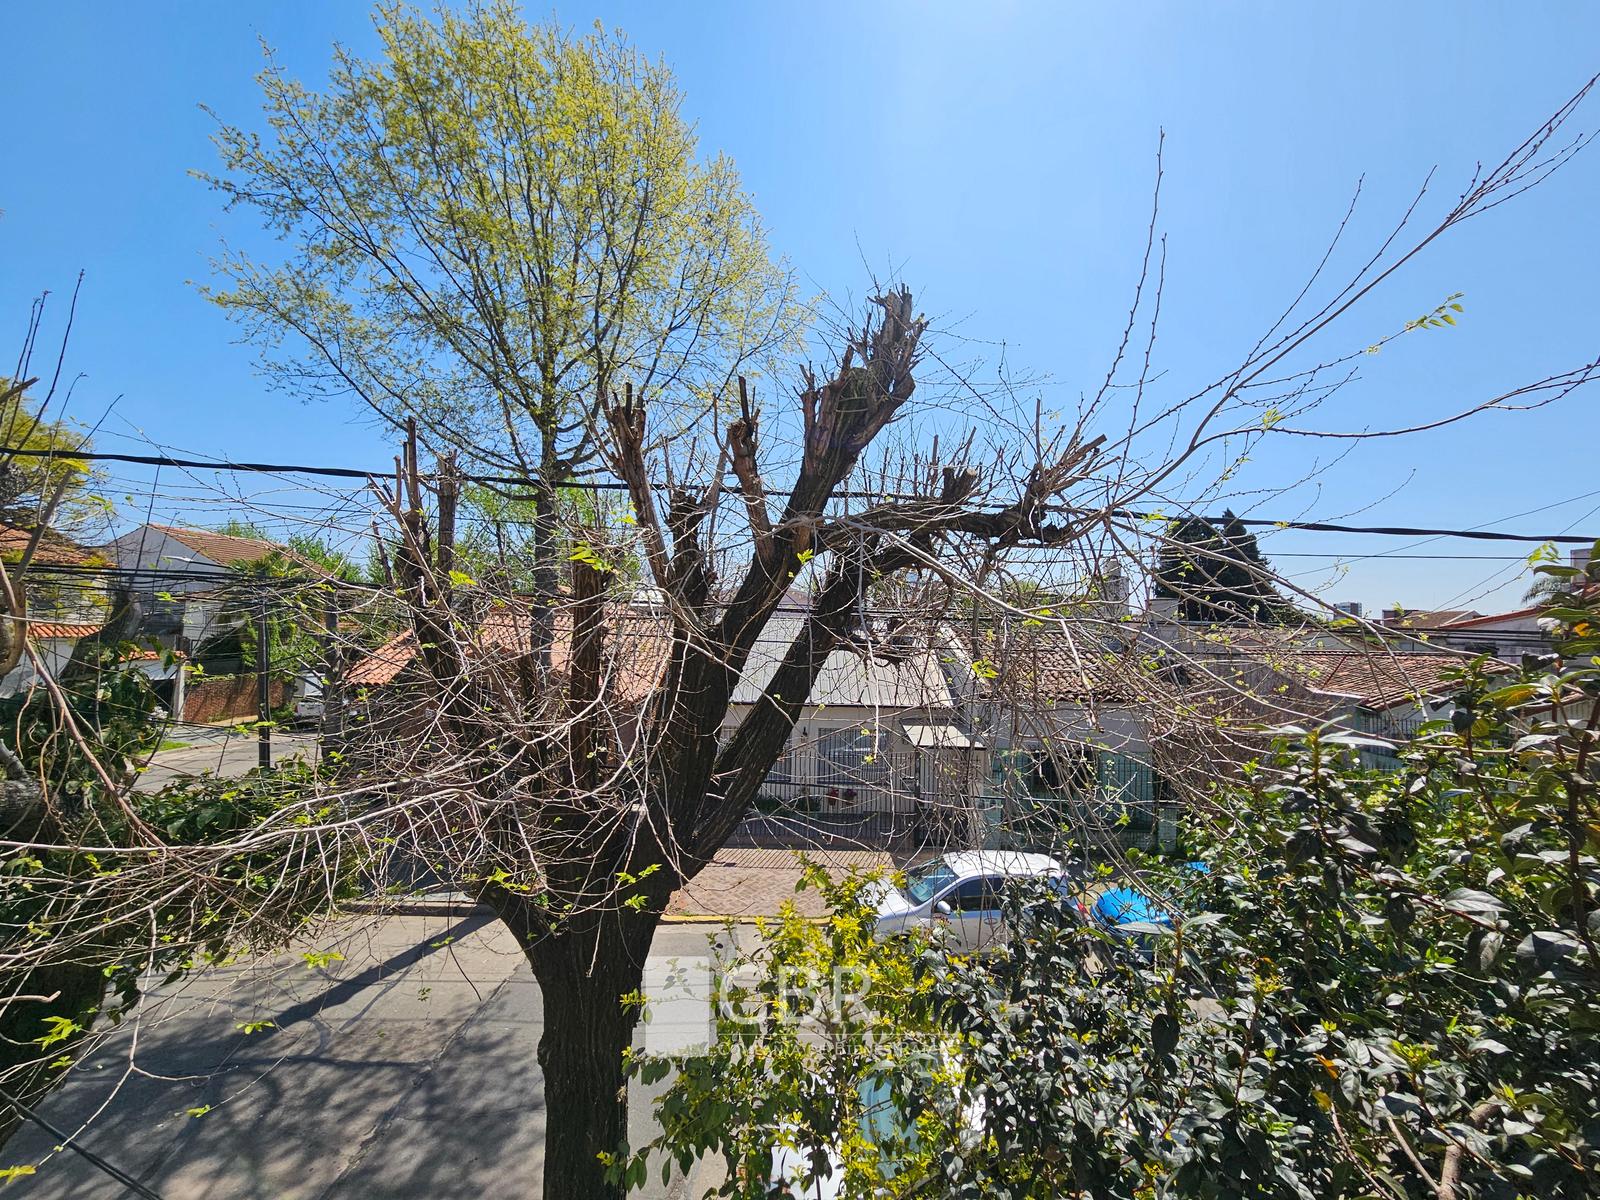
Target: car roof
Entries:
(1000, 862)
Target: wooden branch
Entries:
(742, 450)
(841, 417)
(449, 499)
(589, 587)
(627, 460)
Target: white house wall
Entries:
(55, 653)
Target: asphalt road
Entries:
(406, 1069)
(220, 750)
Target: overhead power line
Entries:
(160, 460)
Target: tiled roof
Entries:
(1377, 679)
(221, 548)
(1475, 621)
(638, 643)
(1432, 620)
(1052, 664)
(55, 549)
(40, 630)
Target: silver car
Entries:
(958, 897)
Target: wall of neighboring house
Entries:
(1506, 637)
(205, 618)
(227, 699)
(172, 566)
(854, 759)
(1089, 767)
(54, 653)
(179, 609)
(1397, 724)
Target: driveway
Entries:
(407, 1069)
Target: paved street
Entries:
(220, 750)
(406, 1070)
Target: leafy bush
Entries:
(1386, 985)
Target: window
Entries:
(852, 756)
(927, 881)
(977, 895)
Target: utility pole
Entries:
(332, 670)
(263, 685)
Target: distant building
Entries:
(183, 579)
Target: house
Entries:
(185, 581)
(1378, 694)
(66, 600)
(880, 752)
(63, 581)
(382, 702)
(1071, 709)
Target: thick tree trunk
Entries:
(583, 976)
(586, 1032)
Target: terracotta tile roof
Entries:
(383, 665)
(638, 644)
(1376, 679)
(1437, 619)
(222, 548)
(1051, 664)
(1475, 621)
(55, 549)
(148, 654)
(40, 630)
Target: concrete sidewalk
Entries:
(407, 1069)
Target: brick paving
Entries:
(741, 884)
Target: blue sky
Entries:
(998, 156)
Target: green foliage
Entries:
(493, 223)
(295, 615)
(1384, 985)
(77, 926)
(27, 485)
(815, 1024)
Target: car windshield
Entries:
(927, 881)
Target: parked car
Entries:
(958, 896)
(1134, 918)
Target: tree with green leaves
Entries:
(489, 230)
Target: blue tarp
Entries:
(1125, 906)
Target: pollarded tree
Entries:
(575, 800)
(502, 235)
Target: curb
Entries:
(416, 908)
(464, 907)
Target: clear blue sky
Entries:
(999, 156)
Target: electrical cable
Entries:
(159, 460)
(66, 1139)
